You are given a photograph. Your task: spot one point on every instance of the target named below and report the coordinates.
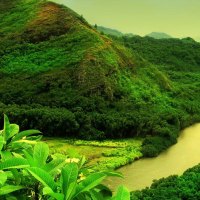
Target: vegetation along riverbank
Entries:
(104, 155)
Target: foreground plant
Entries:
(27, 171)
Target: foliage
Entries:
(64, 72)
(100, 155)
(174, 187)
(28, 171)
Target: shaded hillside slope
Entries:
(180, 54)
(51, 59)
(178, 61)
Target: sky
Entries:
(179, 18)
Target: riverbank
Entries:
(174, 161)
(100, 155)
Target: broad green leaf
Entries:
(122, 194)
(42, 176)
(1, 142)
(82, 162)
(14, 163)
(6, 155)
(6, 129)
(35, 138)
(90, 182)
(26, 133)
(69, 180)
(3, 177)
(24, 141)
(29, 158)
(48, 191)
(53, 166)
(14, 129)
(17, 155)
(18, 146)
(9, 189)
(40, 153)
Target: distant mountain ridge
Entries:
(109, 31)
(113, 32)
(159, 35)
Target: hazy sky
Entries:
(179, 18)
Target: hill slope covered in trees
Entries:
(60, 75)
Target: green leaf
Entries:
(18, 146)
(122, 194)
(42, 176)
(9, 189)
(14, 163)
(14, 129)
(40, 153)
(36, 138)
(69, 178)
(29, 158)
(82, 162)
(26, 133)
(48, 191)
(6, 155)
(3, 178)
(90, 182)
(6, 129)
(54, 165)
(1, 142)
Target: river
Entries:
(178, 158)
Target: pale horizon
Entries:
(178, 18)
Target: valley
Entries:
(102, 99)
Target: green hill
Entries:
(159, 35)
(61, 76)
(55, 66)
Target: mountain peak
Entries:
(159, 35)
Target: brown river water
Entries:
(178, 158)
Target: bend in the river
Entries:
(178, 158)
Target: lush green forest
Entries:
(175, 187)
(90, 86)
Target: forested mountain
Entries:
(158, 35)
(59, 74)
(51, 59)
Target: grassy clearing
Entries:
(100, 155)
